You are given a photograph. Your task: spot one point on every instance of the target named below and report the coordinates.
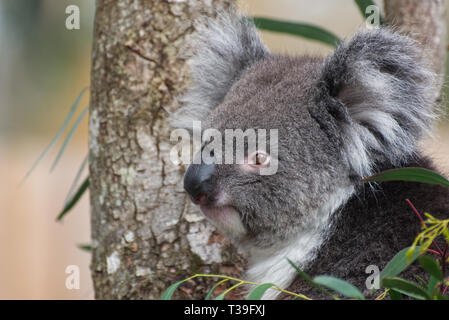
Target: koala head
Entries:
(337, 120)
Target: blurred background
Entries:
(43, 68)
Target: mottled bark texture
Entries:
(424, 20)
(145, 233)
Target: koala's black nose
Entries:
(198, 181)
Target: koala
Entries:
(339, 119)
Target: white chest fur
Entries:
(271, 265)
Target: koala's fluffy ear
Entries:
(381, 92)
(223, 48)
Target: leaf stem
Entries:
(434, 252)
(240, 282)
(382, 295)
(415, 211)
(423, 224)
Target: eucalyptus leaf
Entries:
(69, 137)
(441, 297)
(221, 296)
(258, 292)
(74, 199)
(297, 29)
(170, 290)
(308, 279)
(432, 267)
(58, 134)
(406, 287)
(432, 286)
(399, 263)
(85, 247)
(76, 180)
(410, 174)
(211, 291)
(394, 295)
(343, 287)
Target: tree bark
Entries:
(145, 233)
(425, 21)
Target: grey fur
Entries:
(339, 119)
(384, 83)
(225, 47)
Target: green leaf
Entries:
(85, 247)
(258, 292)
(76, 180)
(298, 29)
(75, 199)
(340, 286)
(69, 137)
(394, 295)
(170, 290)
(432, 286)
(363, 4)
(221, 296)
(309, 280)
(399, 263)
(211, 291)
(406, 287)
(303, 275)
(432, 267)
(411, 174)
(58, 134)
(441, 297)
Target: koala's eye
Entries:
(258, 159)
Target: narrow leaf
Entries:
(303, 275)
(85, 247)
(76, 180)
(69, 137)
(308, 279)
(406, 287)
(394, 295)
(432, 286)
(432, 267)
(298, 29)
(399, 263)
(221, 296)
(75, 199)
(411, 174)
(363, 4)
(58, 134)
(340, 286)
(258, 292)
(211, 291)
(170, 290)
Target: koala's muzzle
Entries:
(198, 182)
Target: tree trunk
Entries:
(145, 233)
(424, 20)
